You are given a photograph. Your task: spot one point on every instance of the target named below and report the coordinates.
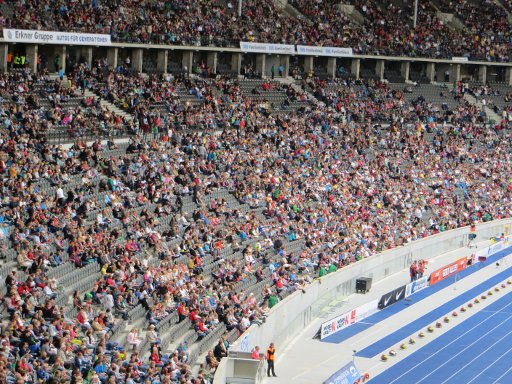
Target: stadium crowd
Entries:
(210, 228)
(387, 28)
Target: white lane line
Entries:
(490, 365)
(466, 348)
(477, 356)
(504, 374)
(447, 345)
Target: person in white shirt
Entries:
(108, 301)
(133, 338)
(60, 196)
(245, 323)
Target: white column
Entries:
(236, 63)
(431, 72)
(379, 69)
(285, 62)
(137, 55)
(455, 73)
(211, 61)
(355, 67)
(331, 67)
(31, 53)
(162, 59)
(261, 60)
(482, 74)
(405, 69)
(187, 61)
(308, 64)
(112, 57)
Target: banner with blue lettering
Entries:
(56, 37)
(416, 286)
(346, 375)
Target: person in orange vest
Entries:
(271, 352)
(9, 60)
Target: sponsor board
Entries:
(244, 344)
(461, 59)
(53, 37)
(367, 310)
(492, 249)
(324, 51)
(267, 48)
(351, 317)
(349, 374)
(447, 271)
(392, 297)
(416, 286)
(495, 248)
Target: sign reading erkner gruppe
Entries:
(285, 49)
(346, 375)
(52, 37)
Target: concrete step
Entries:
(110, 106)
(173, 346)
(489, 112)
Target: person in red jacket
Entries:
(413, 270)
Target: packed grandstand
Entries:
(140, 258)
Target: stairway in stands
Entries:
(491, 115)
(111, 107)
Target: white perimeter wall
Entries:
(295, 312)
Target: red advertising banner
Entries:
(449, 270)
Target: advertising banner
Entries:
(367, 310)
(416, 286)
(392, 297)
(351, 317)
(311, 50)
(447, 271)
(52, 37)
(461, 59)
(267, 48)
(498, 246)
(349, 374)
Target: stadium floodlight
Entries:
(415, 13)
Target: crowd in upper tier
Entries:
(207, 229)
(479, 31)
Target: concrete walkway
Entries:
(307, 360)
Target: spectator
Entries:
(133, 338)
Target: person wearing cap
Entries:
(152, 335)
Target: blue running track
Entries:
(479, 350)
(355, 329)
(430, 317)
